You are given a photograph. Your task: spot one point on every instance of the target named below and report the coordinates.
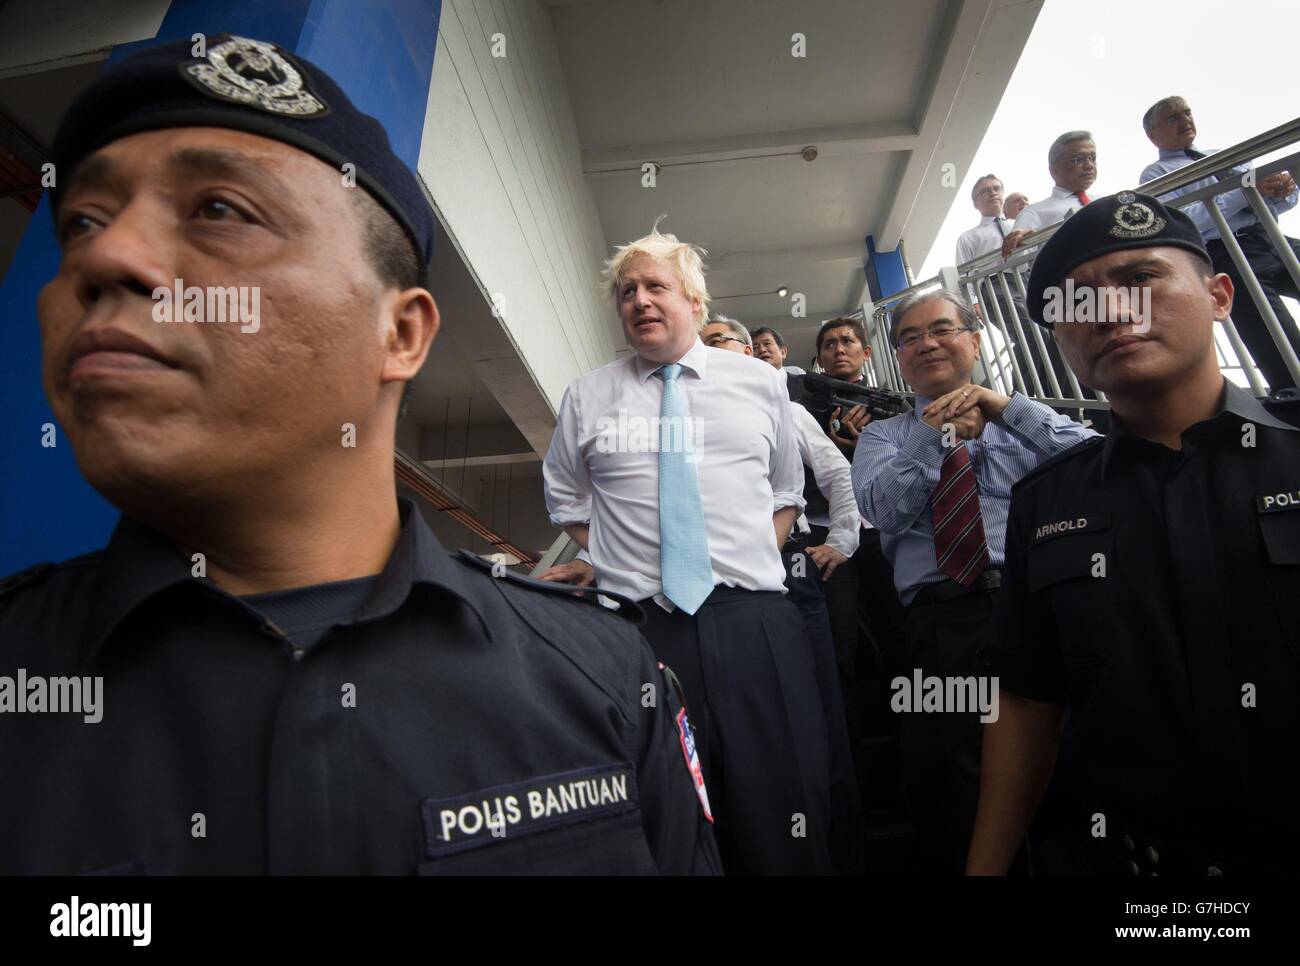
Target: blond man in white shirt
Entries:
(680, 432)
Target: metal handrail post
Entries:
(1038, 337)
(1069, 373)
(1017, 379)
(1257, 293)
(1015, 318)
(988, 354)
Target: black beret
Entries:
(1110, 224)
(247, 85)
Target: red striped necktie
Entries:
(959, 546)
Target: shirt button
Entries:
(1152, 855)
(298, 652)
(1133, 868)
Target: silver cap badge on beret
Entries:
(1133, 219)
(254, 73)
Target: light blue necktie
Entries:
(683, 545)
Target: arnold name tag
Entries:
(1079, 523)
(1276, 502)
(506, 811)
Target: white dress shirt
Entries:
(1043, 214)
(603, 467)
(983, 238)
(834, 478)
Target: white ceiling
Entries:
(888, 92)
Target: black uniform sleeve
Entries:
(679, 833)
(1025, 650)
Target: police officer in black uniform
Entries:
(1151, 584)
(273, 666)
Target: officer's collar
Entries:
(417, 558)
(139, 563)
(1239, 407)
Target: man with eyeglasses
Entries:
(937, 485)
(993, 229)
(1169, 125)
(1072, 162)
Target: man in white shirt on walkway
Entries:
(1072, 162)
(993, 229)
(678, 470)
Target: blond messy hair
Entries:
(685, 259)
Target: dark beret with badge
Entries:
(1110, 224)
(246, 85)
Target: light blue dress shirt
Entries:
(896, 469)
(1236, 209)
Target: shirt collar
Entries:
(989, 220)
(1059, 192)
(695, 359)
(140, 563)
(1237, 403)
(1167, 154)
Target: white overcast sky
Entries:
(1099, 64)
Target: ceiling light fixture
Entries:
(781, 292)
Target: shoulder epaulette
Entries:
(1075, 451)
(1285, 405)
(626, 607)
(23, 577)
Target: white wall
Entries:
(502, 161)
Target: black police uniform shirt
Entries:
(1157, 594)
(457, 722)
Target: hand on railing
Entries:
(1277, 185)
(1012, 242)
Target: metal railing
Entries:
(1018, 354)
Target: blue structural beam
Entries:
(885, 272)
(381, 54)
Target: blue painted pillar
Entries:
(885, 272)
(380, 52)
